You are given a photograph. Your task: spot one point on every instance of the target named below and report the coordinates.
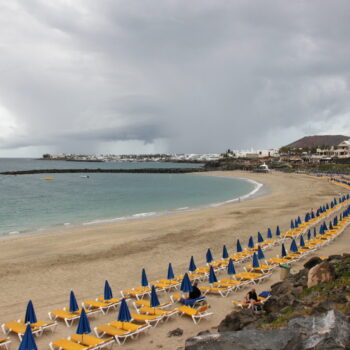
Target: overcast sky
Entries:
(109, 76)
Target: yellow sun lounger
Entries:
(274, 261)
(119, 335)
(262, 268)
(176, 297)
(42, 325)
(91, 341)
(66, 316)
(222, 291)
(78, 312)
(200, 275)
(19, 329)
(4, 342)
(247, 276)
(149, 319)
(114, 302)
(251, 276)
(65, 344)
(232, 283)
(157, 312)
(163, 286)
(195, 314)
(129, 326)
(166, 281)
(143, 302)
(138, 292)
(95, 305)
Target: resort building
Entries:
(342, 150)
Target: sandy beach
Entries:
(45, 267)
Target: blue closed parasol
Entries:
(154, 298)
(260, 253)
(186, 285)
(124, 313)
(269, 233)
(192, 266)
(144, 280)
(170, 272)
(73, 305)
(84, 324)
(30, 316)
(251, 242)
(209, 256)
(278, 231)
(231, 268)
(255, 261)
(224, 252)
(284, 253)
(212, 276)
(239, 247)
(28, 342)
(293, 246)
(108, 291)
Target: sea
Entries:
(30, 204)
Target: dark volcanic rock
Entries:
(176, 332)
(282, 339)
(312, 262)
(237, 320)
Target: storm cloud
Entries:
(170, 76)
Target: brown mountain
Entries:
(318, 141)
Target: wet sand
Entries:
(45, 267)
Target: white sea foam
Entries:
(257, 187)
(142, 215)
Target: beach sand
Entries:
(45, 267)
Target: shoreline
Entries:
(259, 190)
(45, 268)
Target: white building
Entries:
(340, 151)
(254, 154)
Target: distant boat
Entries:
(85, 176)
(47, 178)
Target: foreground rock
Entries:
(282, 339)
(236, 321)
(296, 316)
(321, 273)
(328, 332)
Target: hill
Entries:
(317, 141)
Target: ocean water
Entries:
(30, 204)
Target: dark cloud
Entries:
(201, 75)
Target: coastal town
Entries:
(318, 151)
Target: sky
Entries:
(111, 76)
